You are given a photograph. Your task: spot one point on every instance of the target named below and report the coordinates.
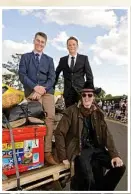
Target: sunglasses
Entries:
(84, 95)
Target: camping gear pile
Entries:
(18, 111)
(23, 133)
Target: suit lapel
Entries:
(66, 60)
(33, 59)
(66, 63)
(77, 62)
(42, 59)
(44, 63)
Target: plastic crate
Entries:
(29, 146)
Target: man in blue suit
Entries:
(37, 74)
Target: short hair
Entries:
(41, 34)
(72, 38)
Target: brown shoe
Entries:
(49, 158)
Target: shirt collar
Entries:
(38, 53)
(73, 56)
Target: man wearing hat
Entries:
(82, 135)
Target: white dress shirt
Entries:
(69, 59)
(40, 54)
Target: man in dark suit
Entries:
(75, 67)
(37, 74)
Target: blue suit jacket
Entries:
(32, 75)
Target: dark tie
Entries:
(37, 59)
(72, 63)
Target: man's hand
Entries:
(36, 96)
(36, 88)
(116, 162)
(66, 163)
(40, 89)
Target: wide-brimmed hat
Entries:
(89, 87)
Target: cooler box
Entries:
(29, 145)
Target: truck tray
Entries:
(35, 178)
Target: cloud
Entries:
(59, 42)
(14, 47)
(113, 85)
(112, 48)
(84, 17)
(25, 11)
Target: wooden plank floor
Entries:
(51, 173)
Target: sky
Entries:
(102, 35)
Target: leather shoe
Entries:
(49, 158)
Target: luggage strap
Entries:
(14, 153)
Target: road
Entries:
(119, 132)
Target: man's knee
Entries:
(50, 114)
(119, 171)
(122, 169)
(50, 117)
